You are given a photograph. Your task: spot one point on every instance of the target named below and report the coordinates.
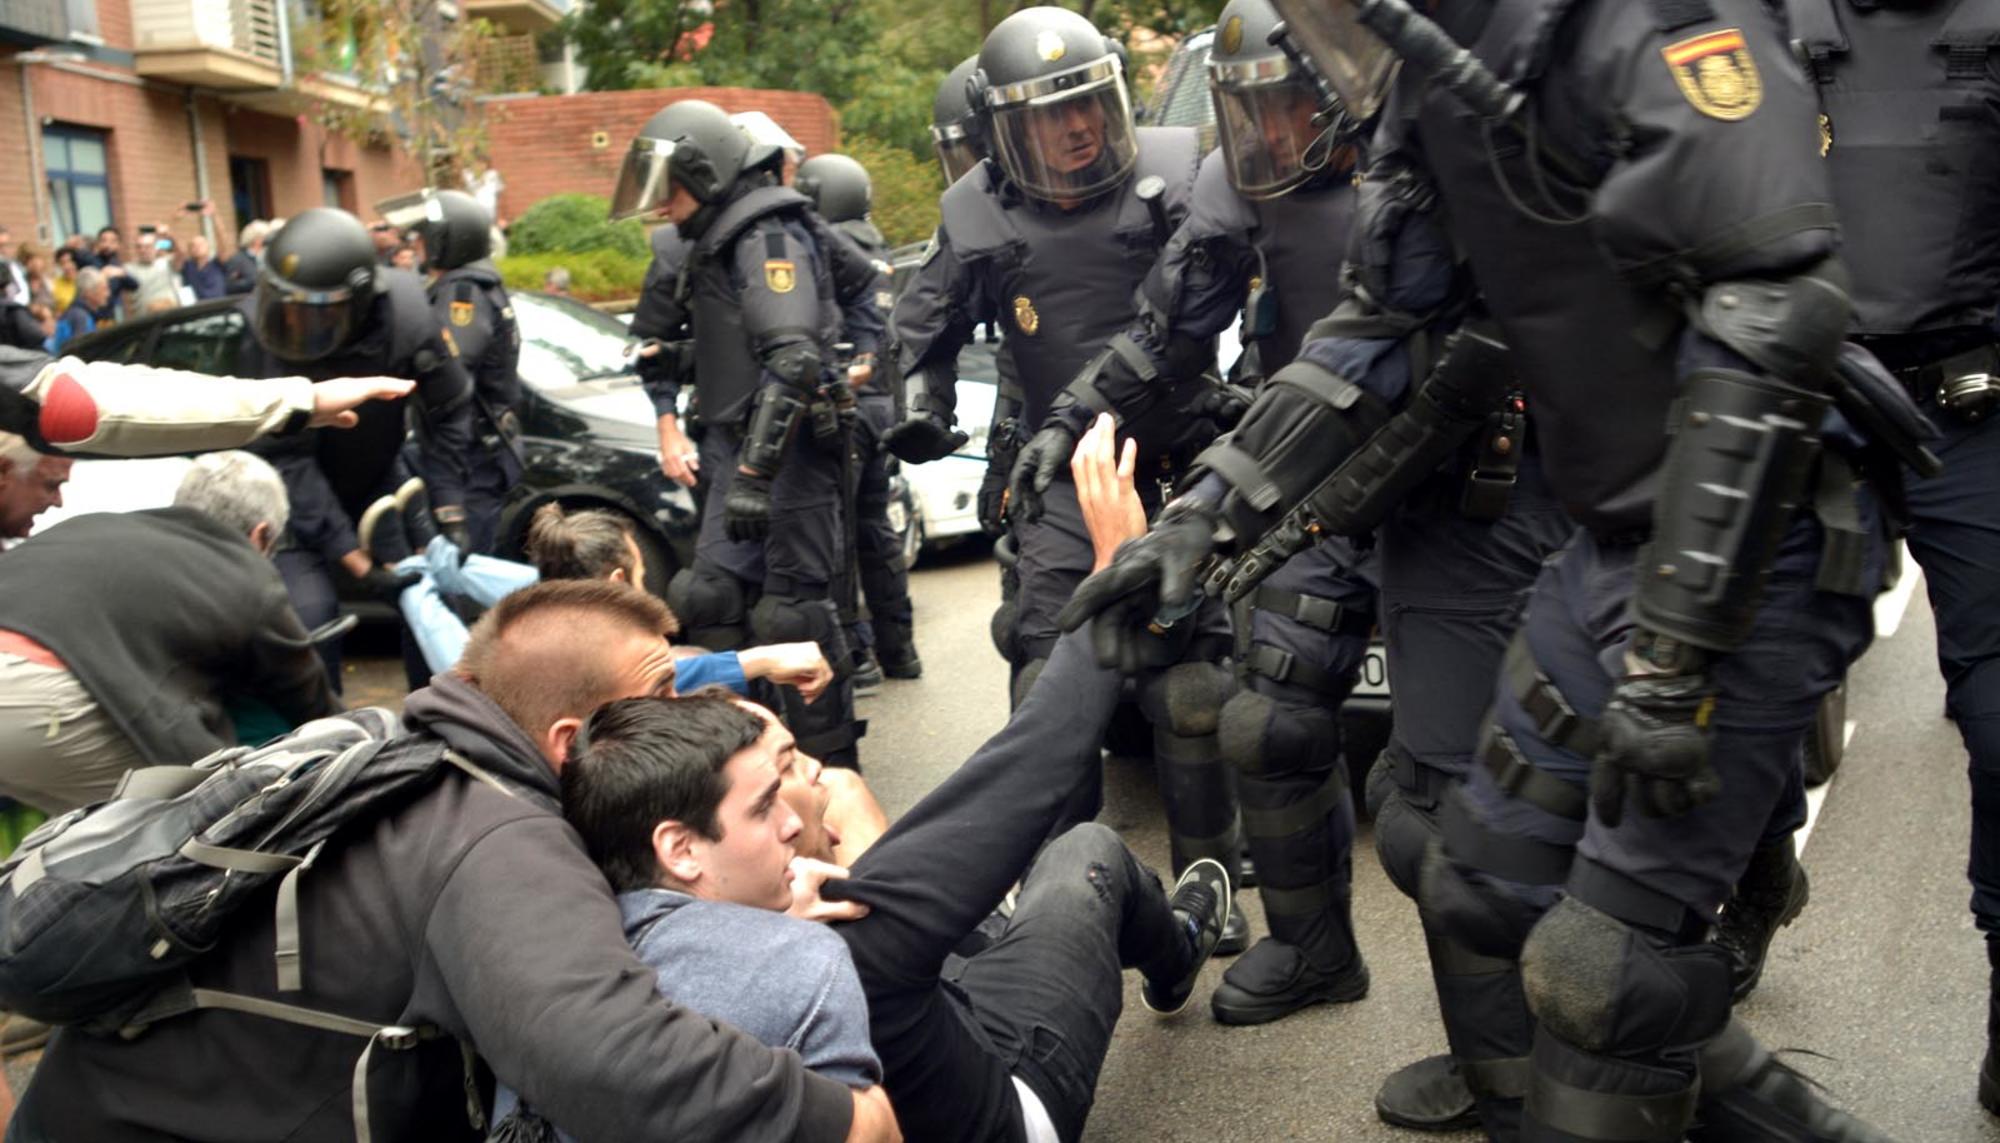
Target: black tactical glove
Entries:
(922, 438)
(1151, 576)
(1656, 739)
(746, 511)
(386, 583)
(1041, 459)
(993, 498)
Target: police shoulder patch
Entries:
(1716, 75)
(781, 274)
(461, 314)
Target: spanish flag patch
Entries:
(1716, 74)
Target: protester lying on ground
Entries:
(680, 802)
(472, 909)
(587, 544)
(124, 636)
(105, 408)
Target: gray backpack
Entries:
(103, 909)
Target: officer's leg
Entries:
(1004, 627)
(1624, 987)
(804, 556)
(1452, 593)
(712, 599)
(310, 585)
(1771, 893)
(1508, 828)
(1307, 634)
(885, 581)
(494, 473)
(1955, 536)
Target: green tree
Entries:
(418, 63)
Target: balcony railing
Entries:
(521, 16)
(227, 44)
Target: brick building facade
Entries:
(108, 107)
(556, 144)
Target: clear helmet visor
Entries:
(1269, 138)
(643, 185)
(301, 325)
(1066, 136)
(1353, 60)
(955, 152)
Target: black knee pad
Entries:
(789, 619)
(1024, 681)
(1470, 910)
(1380, 785)
(1263, 737)
(709, 603)
(1403, 835)
(1186, 699)
(1006, 639)
(1598, 984)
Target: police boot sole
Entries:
(1237, 1008)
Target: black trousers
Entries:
(1041, 1000)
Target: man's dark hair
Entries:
(640, 762)
(538, 653)
(590, 544)
(104, 230)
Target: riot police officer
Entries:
(759, 304)
(324, 309)
(1719, 581)
(842, 195)
(456, 234)
(952, 127)
(1918, 189)
(1052, 233)
(1268, 212)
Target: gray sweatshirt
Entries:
(789, 983)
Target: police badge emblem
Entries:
(1716, 74)
(1025, 318)
(461, 314)
(781, 275)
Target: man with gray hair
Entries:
(240, 272)
(31, 483)
(166, 624)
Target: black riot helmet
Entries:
(951, 122)
(837, 185)
(1050, 101)
(1267, 110)
(692, 143)
(456, 230)
(316, 286)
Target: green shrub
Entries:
(595, 275)
(571, 223)
(906, 189)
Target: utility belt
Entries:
(1965, 385)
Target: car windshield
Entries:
(564, 342)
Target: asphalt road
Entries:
(1883, 977)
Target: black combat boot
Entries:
(1747, 1094)
(1771, 894)
(1429, 1095)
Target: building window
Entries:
(337, 188)
(79, 179)
(250, 188)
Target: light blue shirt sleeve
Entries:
(721, 668)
